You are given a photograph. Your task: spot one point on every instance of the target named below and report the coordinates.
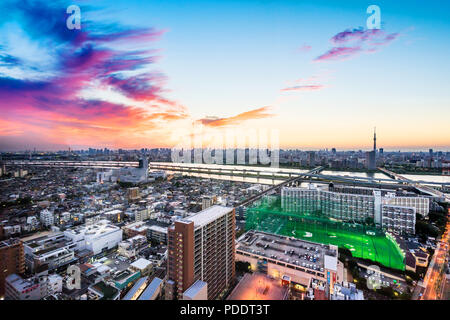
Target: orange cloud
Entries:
(259, 113)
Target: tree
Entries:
(243, 266)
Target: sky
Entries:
(309, 74)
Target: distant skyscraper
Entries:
(311, 158)
(201, 247)
(333, 151)
(375, 139)
(381, 151)
(370, 160)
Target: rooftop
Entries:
(140, 264)
(151, 289)
(208, 215)
(101, 227)
(303, 253)
(193, 290)
(106, 291)
(158, 229)
(258, 286)
(135, 288)
(9, 242)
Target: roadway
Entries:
(73, 164)
(418, 186)
(243, 171)
(282, 184)
(434, 281)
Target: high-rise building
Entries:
(370, 160)
(201, 247)
(311, 158)
(375, 139)
(12, 260)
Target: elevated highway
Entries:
(73, 164)
(420, 187)
(282, 184)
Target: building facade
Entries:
(47, 218)
(12, 260)
(49, 252)
(201, 247)
(388, 211)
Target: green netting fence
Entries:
(308, 222)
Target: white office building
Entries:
(52, 250)
(96, 238)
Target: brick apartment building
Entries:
(201, 247)
(12, 260)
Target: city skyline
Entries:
(136, 77)
(233, 152)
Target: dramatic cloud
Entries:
(88, 59)
(249, 115)
(351, 42)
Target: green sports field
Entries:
(363, 242)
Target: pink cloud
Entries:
(356, 41)
(303, 88)
(304, 48)
(338, 53)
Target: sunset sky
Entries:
(146, 73)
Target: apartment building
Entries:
(34, 288)
(157, 233)
(395, 218)
(420, 204)
(201, 247)
(130, 248)
(342, 206)
(12, 260)
(47, 218)
(385, 209)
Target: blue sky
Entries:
(224, 59)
